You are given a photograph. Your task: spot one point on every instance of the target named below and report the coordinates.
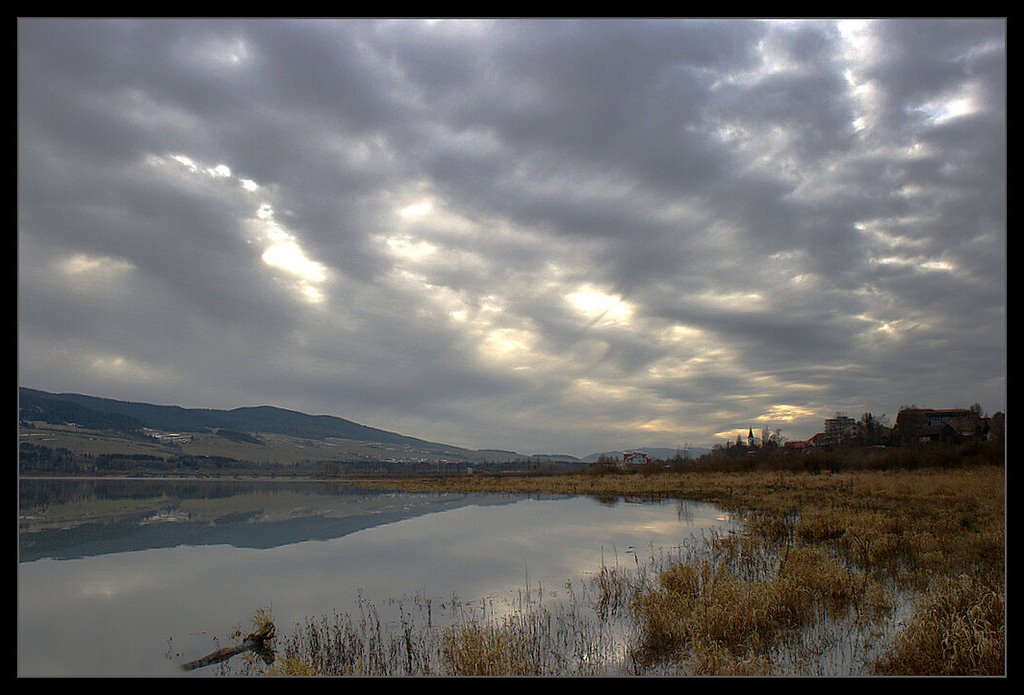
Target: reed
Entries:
(529, 640)
(366, 645)
(520, 644)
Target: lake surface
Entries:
(133, 578)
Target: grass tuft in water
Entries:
(958, 629)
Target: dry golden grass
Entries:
(489, 650)
(292, 666)
(958, 629)
(718, 619)
(913, 524)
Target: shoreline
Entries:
(198, 478)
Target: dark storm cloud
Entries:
(531, 234)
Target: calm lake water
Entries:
(133, 578)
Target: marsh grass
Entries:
(470, 639)
(538, 641)
(865, 572)
(958, 630)
(491, 650)
(750, 613)
(362, 645)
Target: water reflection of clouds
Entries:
(192, 594)
(477, 552)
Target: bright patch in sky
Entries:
(185, 162)
(942, 111)
(406, 248)
(858, 51)
(939, 265)
(284, 253)
(679, 332)
(119, 367)
(508, 346)
(289, 256)
(417, 210)
(738, 301)
(220, 171)
(917, 262)
(281, 249)
(786, 413)
(593, 389)
(657, 425)
(600, 306)
(877, 231)
(81, 263)
(96, 274)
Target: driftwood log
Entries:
(258, 642)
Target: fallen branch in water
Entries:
(258, 642)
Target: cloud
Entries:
(530, 234)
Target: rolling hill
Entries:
(105, 413)
(90, 425)
(257, 433)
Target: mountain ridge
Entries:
(171, 418)
(98, 412)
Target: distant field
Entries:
(83, 441)
(276, 448)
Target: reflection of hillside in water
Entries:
(71, 519)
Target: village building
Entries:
(946, 425)
(839, 428)
(921, 425)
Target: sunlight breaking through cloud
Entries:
(407, 249)
(599, 306)
(916, 262)
(93, 266)
(785, 414)
(287, 255)
(945, 110)
(416, 210)
(283, 252)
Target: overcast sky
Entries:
(539, 235)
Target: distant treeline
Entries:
(34, 458)
(927, 455)
(35, 407)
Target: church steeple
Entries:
(750, 437)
